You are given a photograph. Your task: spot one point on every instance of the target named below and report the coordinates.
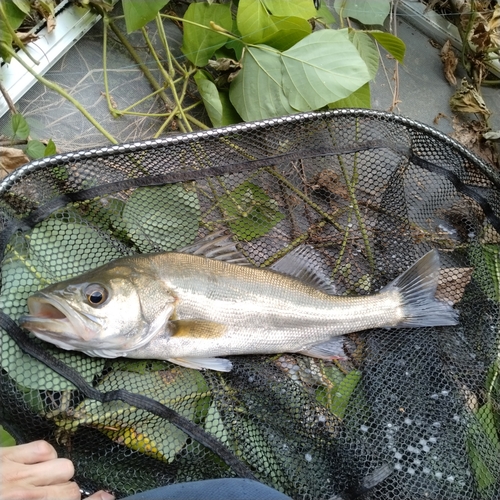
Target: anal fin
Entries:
(217, 364)
(331, 349)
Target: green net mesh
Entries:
(410, 413)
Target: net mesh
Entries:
(411, 413)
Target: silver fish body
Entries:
(190, 308)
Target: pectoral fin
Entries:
(217, 364)
(196, 328)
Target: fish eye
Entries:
(96, 294)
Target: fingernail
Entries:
(107, 496)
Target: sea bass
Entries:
(190, 306)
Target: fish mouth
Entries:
(56, 322)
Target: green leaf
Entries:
(325, 15)
(50, 149)
(176, 388)
(20, 127)
(254, 22)
(35, 149)
(199, 44)
(483, 447)
(322, 68)
(298, 8)
(365, 11)
(361, 98)
(162, 217)
(139, 12)
(14, 14)
(217, 103)
(394, 45)
(257, 91)
(23, 5)
(5, 438)
(250, 211)
(367, 50)
(343, 393)
(290, 31)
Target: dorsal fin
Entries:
(302, 263)
(218, 246)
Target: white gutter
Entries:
(72, 23)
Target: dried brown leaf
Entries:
(468, 100)
(450, 62)
(10, 159)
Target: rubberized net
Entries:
(411, 413)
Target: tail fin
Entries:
(417, 287)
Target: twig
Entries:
(8, 100)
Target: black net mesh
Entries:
(412, 413)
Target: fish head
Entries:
(107, 312)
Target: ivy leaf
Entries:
(365, 11)
(322, 68)
(360, 98)
(219, 108)
(138, 14)
(257, 91)
(199, 44)
(35, 149)
(162, 217)
(20, 127)
(394, 45)
(250, 211)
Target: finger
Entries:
(101, 495)
(30, 453)
(53, 472)
(65, 491)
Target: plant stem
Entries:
(152, 80)
(56, 88)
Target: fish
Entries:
(195, 306)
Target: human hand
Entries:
(32, 471)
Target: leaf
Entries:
(218, 106)
(367, 50)
(35, 149)
(162, 217)
(23, 5)
(254, 21)
(324, 15)
(290, 31)
(344, 392)
(178, 388)
(250, 211)
(50, 149)
(13, 13)
(394, 45)
(10, 159)
(199, 44)
(298, 8)
(492, 135)
(365, 11)
(20, 127)
(257, 91)
(322, 68)
(361, 98)
(483, 447)
(5, 438)
(139, 13)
